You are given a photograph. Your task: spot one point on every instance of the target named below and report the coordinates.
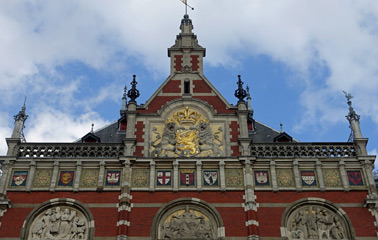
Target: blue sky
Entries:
(72, 58)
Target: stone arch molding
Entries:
(316, 218)
(187, 218)
(59, 219)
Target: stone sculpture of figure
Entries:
(311, 225)
(203, 230)
(301, 221)
(167, 146)
(337, 231)
(65, 224)
(206, 142)
(78, 229)
(55, 224)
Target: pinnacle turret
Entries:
(19, 121)
(353, 118)
(124, 102)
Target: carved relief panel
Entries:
(186, 133)
(317, 221)
(59, 223)
(59, 219)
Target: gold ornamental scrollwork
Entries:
(186, 133)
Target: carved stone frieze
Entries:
(187, 134)
(187, 224)
(316, 222)
(59, 223)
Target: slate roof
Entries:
(110, 134)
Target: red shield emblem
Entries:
(187, 177)
(355, 178)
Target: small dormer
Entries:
(283, 138)
(90, 138)
(122, 124)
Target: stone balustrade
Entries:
(317, 150)
(68, 150)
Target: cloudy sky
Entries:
(72, 58)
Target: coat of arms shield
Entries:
(262, 178)
(187, 177)
(308, 178)
(19, 178)
(210, 178)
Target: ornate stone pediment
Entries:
(187, 133)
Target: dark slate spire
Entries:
(240, 93)
(133, 93)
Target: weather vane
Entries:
(186, 6)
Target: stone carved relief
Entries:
(187, 224)
(316, 222)
(187, 134)
(59, 223)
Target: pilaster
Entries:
(100, 185)
(152, 175)
(296, 176)
(175, 176)
(199, 175)
(54, 176)
(77, 176)
(30, 176)
(344, 177)
(6, 168)
(274, 175)
(319, 172)
(222, 176)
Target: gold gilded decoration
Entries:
(332, 178)
(187, 116)
(42, 178)
(187, 134)
(187, 224)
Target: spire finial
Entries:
(281, 126)
(92, 128)
(186, 6)
(124, 101)
(133, 93)
(240, 93)
(353, 118)
(352, 115)
(19, 121)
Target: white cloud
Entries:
(36, 37)
(54, 126)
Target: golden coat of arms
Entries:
(187, 134)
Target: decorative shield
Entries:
(113, 178)
(262, 178)
(163, 178)
(19, 178)
(187, 177)
(210, 178)
(308, 178)
(66, 178)
(355, 178)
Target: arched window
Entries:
(187, 218)
(60, 218)
(316, 218)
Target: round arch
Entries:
(187, 218)
(316, 218)
(60, 217)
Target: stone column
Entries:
(100, 184)
(77, 176)
(152, 175)
(222, 176)
(199, 175)
(30, 175)
(54, 176)
(124, 206)
(250, 203)
(175, 176)
(319, 172)
(369, 176)
(297, 176)
(130, 139)
(274, 175)
(344, 177)
(6, 168)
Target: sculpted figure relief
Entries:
(187, 135)
(59, 225)
(316, 222)
(187, 226)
